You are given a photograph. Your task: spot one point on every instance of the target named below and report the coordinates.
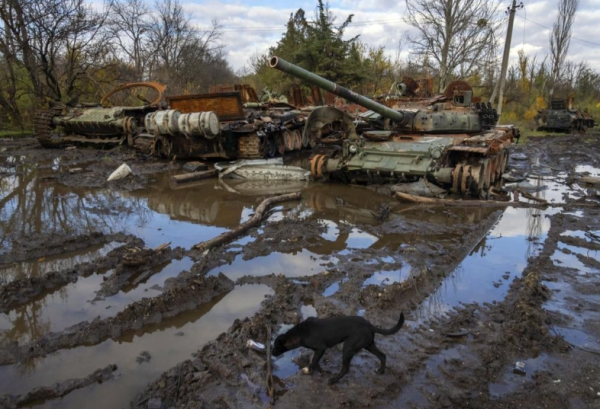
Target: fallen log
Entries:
(531, 197)
(190, 177)
(591, 180)
(403, 197)
(256, 218)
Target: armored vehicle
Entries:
(445, 139)
(562, 117)
(214, 125)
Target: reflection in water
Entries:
(56, 310)
(186, 216)
(61, 262)
(165, 343)
(485, 274)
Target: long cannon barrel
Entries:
(294, 70)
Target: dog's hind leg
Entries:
(351, 347)
(375, 351)
(346, 358)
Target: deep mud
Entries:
(482, 288)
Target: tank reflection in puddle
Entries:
(168, 343)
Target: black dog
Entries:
(319, 334)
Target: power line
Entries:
(548, 28)
(282, 27)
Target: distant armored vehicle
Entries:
(562, 117)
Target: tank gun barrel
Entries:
(294, 70)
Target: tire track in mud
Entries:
(182, 294)
(23, 291)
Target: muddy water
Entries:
(167, 343)
(32, 205)
(76, 302)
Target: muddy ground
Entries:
(84, 286)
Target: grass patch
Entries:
(15, 134)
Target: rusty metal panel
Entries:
(227, 105)
(213, 89)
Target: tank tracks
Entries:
(42, 125)
(475, 178)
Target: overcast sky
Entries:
(255, 25)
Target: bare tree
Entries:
(455, 34)
(182, 56)
(130, 24)
(58, 41)
(560, 39)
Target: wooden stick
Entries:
(253, 221)
(473, 203)
(189, 177)
(532, 197)
(162, 246)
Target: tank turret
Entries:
(446, 114)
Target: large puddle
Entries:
(31, 205)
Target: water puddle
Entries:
(593, 171)
(486, 273)
(168, 343)
(564, 260)
(389, 277)
(511, 382)
(579, 338)
(72, 304)
(299, 264)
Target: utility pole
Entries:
(511, 11)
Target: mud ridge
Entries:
(35, 247)
(150, 262)
(58, 390)
(20, 291)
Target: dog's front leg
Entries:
(314, 365)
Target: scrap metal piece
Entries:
(159, 88)
(261, 169)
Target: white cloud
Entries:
(254, 26)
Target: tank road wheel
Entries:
(477, 180)
(297, 140)
(456, 178)
(288, 138)
(317, 164)
(505, 156)
(280, 143)
(487, 173)
(305, 141)
(249, 147)
(465, 180)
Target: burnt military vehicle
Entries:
(562, 117)
(214, 125)
(447, 140)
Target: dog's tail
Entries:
(390, 331)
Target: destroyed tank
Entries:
(95, 124)
(214, 125)
(562, 117)
(445, 139)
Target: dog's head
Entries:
(279, 346)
